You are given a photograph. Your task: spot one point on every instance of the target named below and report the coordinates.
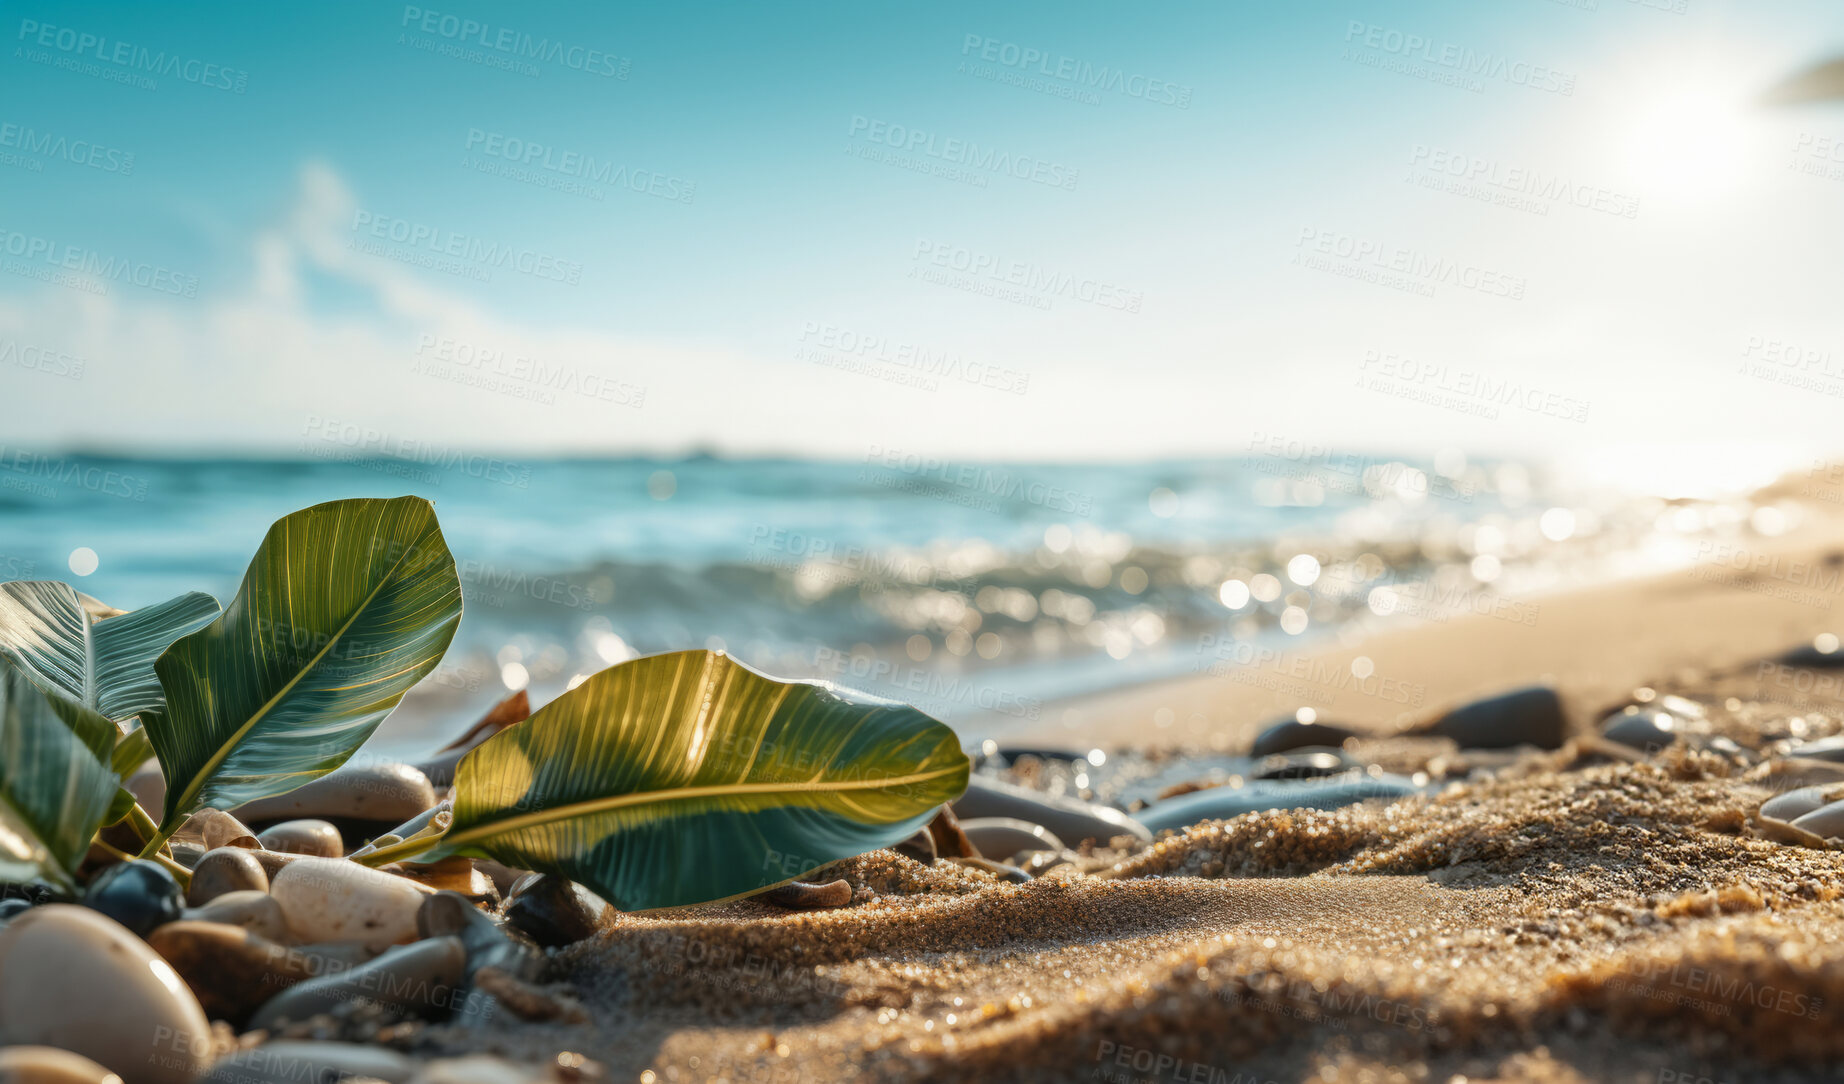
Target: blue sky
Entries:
(1231, 219)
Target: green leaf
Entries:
(55, 785)
(688, 777)
(92, 654)
(345, 606)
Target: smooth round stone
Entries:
(1301, 764)
(553, 911)
(49, 1065)
(139, 894)
(1825, 822)
(1647, 729)
(331, 899)
(1222, 803)
(807, 896)
(314, 837)
(250, 910)
(1069, 819)
(75, 979)
(375, 791)
(12, 907)
(1290, 734)
(274, 862)
(416, 979)
(1828, 749)
(227, 869)
(296, 1062)
(230, 969)
(148, 785)
(1002, 837)
(1795, 804)
(1528, 716)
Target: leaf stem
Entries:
(179, 872)
(399, 851)
(154, 844)
(142, 824)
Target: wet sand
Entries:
(1545, 916)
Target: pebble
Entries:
(553, 911)
(1302, 764)
(331, 899)
(1003, 837)
(1527, 716)
(1291, 734)
(1221, 803)
(1069, 819)
(1826, 822)
(138, 894)
(1782, 816)
(450, 914)
(1646, 729)
(148, 785)
(290, 1062)
(313, 837)
(1828, 749)
(230, 969)
(250, 910)
(482, 1069)
(49, 1065)
(417, 980)
(77, 980)
(274, 862)
(802, 896)
(12, 907)
(376, 793)
(227, 869)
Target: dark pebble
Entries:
(140, 895)
(1646, 729)
(450, 914)
(13, 906)
(1291, 734)
(554, 911)
(1221, 803)
(1528, 716)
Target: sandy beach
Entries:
(1543, 915)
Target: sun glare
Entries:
(1686, 142)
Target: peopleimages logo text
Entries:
(1032, 61)
(504, 39)
(126, 54)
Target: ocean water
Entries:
(983, 592)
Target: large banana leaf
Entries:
(105, 663)
(55, 782)
(687, 777)
(345, 606)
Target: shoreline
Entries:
(1594, 644)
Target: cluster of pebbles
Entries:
(285, 961)
(279, 942)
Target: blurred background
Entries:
(981, 359)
